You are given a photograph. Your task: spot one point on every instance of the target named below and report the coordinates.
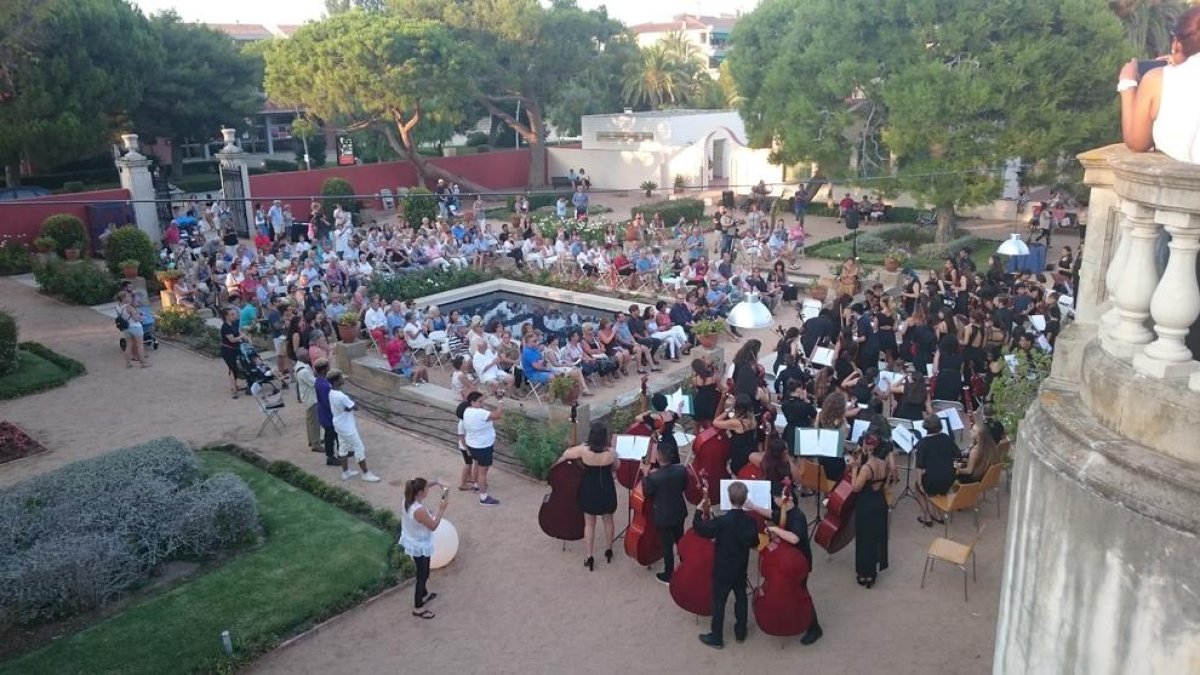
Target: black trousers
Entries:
(721, 590)
(669, 535)
(330, 442)
(422, 579)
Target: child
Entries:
(462, 381)
(349, 442)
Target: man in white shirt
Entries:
(275, 218)
(306, 393)
(479, 432)
(341, 235)
(487, 367)
(349, 442)
(376, 321)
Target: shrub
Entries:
(73, 186)
(77, 537)
(338, 192)
(871, 242)
(78, 283)
(672, 210)
(68, 368)
(908, 234)
(1015, 388)
(178, 320)
(419, 204)
(14, 258)
(279, 165)
(933, 251)
(8, 343)
(535, 444)
(130, 243)
(420, 284)
(66, 230)
(476, 138)
(536, 201)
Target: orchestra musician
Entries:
(834, 412)
(743, 432)
(734, 533)
(870, 474)
(749, 377)
(935, 464)
(662, 422)
(665, 486)
(796, 534)
(704, 401)
(598, 491)
(984, 452)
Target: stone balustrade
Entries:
(1140, 283)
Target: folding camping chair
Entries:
(269, 404)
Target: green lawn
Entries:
(833, 249)
(315, 557)
(34, 373)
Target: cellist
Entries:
(796, 534)
(735, 534)
(665, 485)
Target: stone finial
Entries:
(230, 137)
(131, 146)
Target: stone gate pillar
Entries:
(235, 183)
(134, 171)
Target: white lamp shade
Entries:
(445, 545)
(1013, 246)
(750, 314)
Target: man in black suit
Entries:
(819, 330)
(734, 534)
(665, 486)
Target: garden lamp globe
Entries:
(1014, 245)
(750, 313)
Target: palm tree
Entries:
(670, 72)
(1148, 23)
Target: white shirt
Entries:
(343, 413)
(477, 427)
(483, 362)
(1176, 128)
(416, 539)
(375, 318)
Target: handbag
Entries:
(122, 322)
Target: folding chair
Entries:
(535, 389)
(269, 405)
(954, 553)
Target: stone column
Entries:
(1092, 298)
(1176, 302)
(236, 189)
(1133, 280)
(134, 171)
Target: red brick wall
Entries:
(505, 170)
(22, 219)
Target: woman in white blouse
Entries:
(416, 536)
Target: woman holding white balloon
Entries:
(416, 536)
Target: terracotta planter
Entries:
(891, 264)
(708, 341)
(129, 272)
(347, 333)
(72, 253)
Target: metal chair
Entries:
(964, 497)
(991, 481)
(954, 553)
(535, 389)
(270, 404)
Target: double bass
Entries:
(837, 527)
(560, 515)
(642, 542)
(692, 580)
(782, 605)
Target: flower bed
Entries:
(15, 443)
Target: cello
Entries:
(782, 605)
(837, 527)
(691, 582)
(560, 515)
(627, 469)
(641, 537)
(710, 457)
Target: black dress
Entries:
(704, 403)
(887, 334)
(741, 445)
(871, 529)
(949, 377)
(598, 492)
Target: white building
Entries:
(706, 147)
(710, 34)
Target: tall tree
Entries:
(671, 72)
(75, 88)
(333, 7)
(1148, 23)
(209, 84)
(935, 96)
(375, 71)
(530, 56)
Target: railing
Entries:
(1139, 277)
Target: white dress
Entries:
(1177, 127)
(415, 538)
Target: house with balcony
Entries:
(710, 34)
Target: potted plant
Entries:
(895, 258)
(649, 186)
(680, 183)
(707, 330)
(168, 278)
(129, 267)
(348, 327)
(565, 389)
(43, 249)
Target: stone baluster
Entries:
(1112, 275)
(1133, 281)
(1176, 301)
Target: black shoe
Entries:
(590, 563)
(329, 461)
(608, 555)
(712, 641)
(740, 638)
(663, 577)
(812, 635)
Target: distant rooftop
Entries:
(722, 23)
(673, 112)
(254, 32)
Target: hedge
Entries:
(14, 258)
(130, 243)
(418, 205)
(338, 192)
(66, 230)
(9, 333)
(536, 201)
(536, 445)
(672, 209)
(420, 284)
(80, 283)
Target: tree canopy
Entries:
(671, 72)
(932, 95)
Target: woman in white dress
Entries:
(416, 536)
(1158, 110)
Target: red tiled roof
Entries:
(288, 29)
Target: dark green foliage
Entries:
(672, 210)
(280, 165)
(178, 320)
(66, 230)
(14, 258)
(419, 284)
(38, 369)
(9, 333)
(476, 138)
(536, 201)
(130, 243)
(534, 443)
(79, 283)
(338, 192)
(419, 204)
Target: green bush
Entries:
(476, 138)
(178, 320)
(66, 230)
(933, 251)
(338, 192)
(73, 186)
(672, 210)
(8, 343)
(198, 183)
(418, 204)
(130, 243)
(14, 258)
(535, 444)
(908, 234)
(279, 165)
(536, 201)
(79, 283)
(23, 383)
(872, 242)
(419, 284)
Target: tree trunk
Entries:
(537, 145)
(400, 138)
(494, 130)
(945, 223)
(176, 158)
(12, 174)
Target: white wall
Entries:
(612, 169)
(671, 131)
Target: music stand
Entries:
(907, 425)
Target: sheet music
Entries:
(760, 493)
(1044, 344)
(680, 402)
(1011, 360)
(1038, 321)
(858, 429)
(809, 309)
(818, 442)
(928, 370)
(903, 439)
(919, 431)
(890, 378)
(822, 356)
(951, 416)
(631, 447)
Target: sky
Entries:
(299, 11)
